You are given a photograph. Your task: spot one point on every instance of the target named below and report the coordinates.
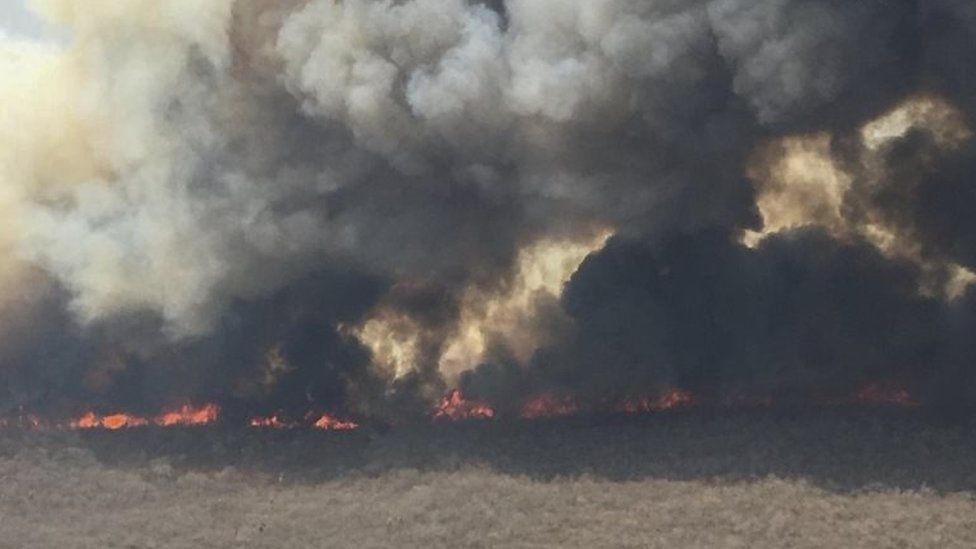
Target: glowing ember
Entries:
(185, 415)
(547, 405)
(885, 393)
(271, 422)
(87, 421)
(119, 421)
(672, 399)
(112, 422)
(329, 423)
(453, 406)
(188, 415)
(324, 422)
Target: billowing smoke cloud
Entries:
(800, 316)
(345, 204)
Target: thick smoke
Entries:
(325, 204)
(801, 316)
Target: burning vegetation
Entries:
(184, 416)
(555, 207)
(453, 406)
(603, 260)
(323, 422)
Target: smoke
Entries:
(802, 315)
(345, 205)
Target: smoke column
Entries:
(353, 205)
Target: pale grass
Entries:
(689, 480)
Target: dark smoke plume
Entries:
(345, 205)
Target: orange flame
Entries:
(324, 422)
(453, 406)
(188, 415)
(548, 405)
(119, 421)
(674, 398)
(112, 422)
(87, 421)
(885, 393)
(329, 423)
(270, 422)
(185, 415)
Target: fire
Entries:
(119, 421)
(270, 422)
(885, 393)
(185, 415)
(112, 422)
(548, 405)
(188, 415)
(674, 398)
(325, 422)
(453, 406)
(329, 423)
(87, 421)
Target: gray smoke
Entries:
(201, 198)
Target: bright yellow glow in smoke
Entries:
(509, 314)
(932, 114)
(394, 340)
(800, 183)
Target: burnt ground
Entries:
(696, 478)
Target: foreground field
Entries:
(693, 479)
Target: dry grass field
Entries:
(842, 478)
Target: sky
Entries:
(16, 19)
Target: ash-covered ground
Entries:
(759, 478)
